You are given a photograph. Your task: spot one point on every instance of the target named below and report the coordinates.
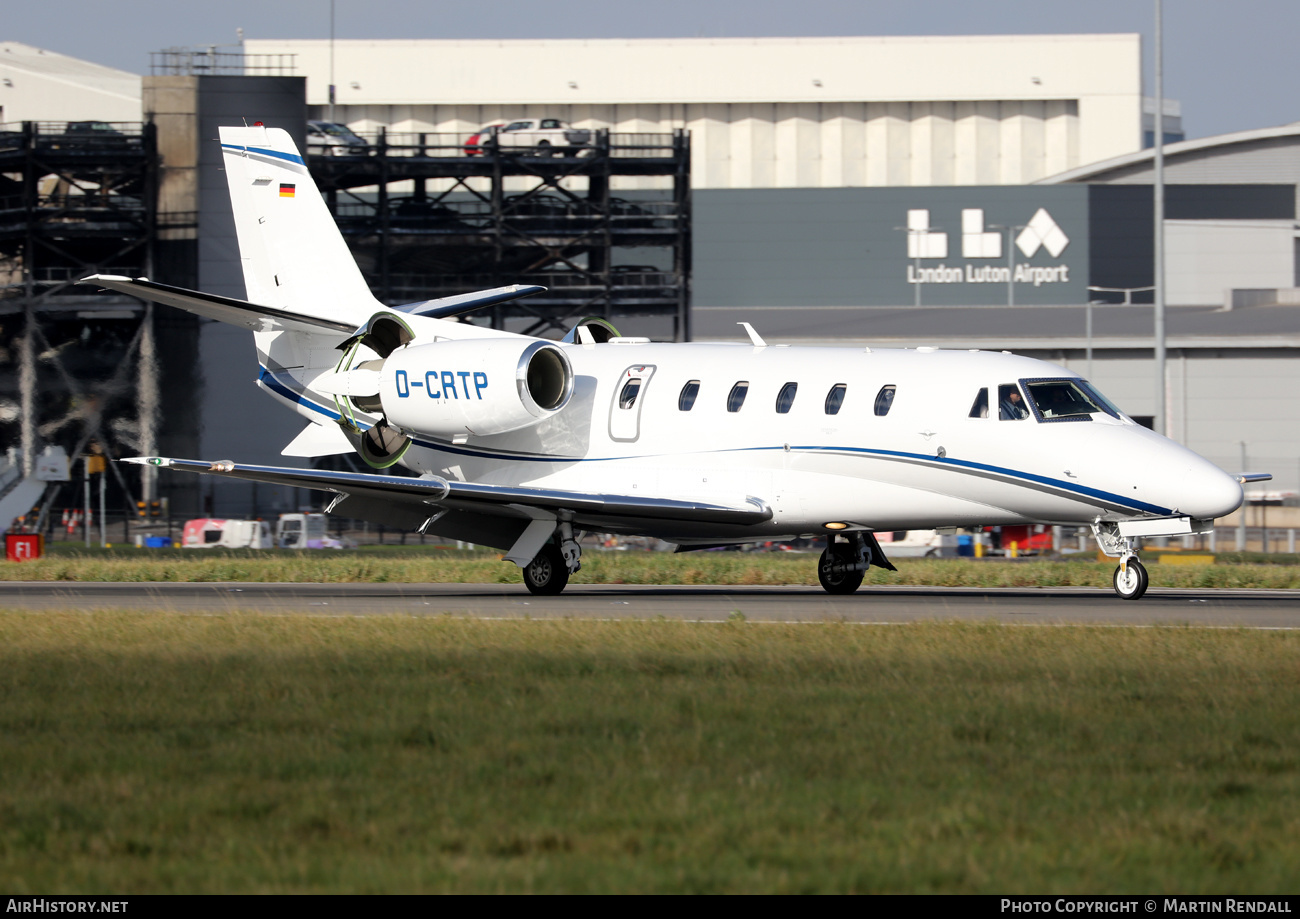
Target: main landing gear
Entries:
(844, 564)
(548, 573)
(1130, 579)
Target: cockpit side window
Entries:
(1011, 403)
(1063, 400)
(980, 408)
(884, 400)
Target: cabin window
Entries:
(1065, 400)
(785, 398)
(627, 398)
(1011, 404)
(884, 399)
(736, 398)
(686, 401)
(980, 408)
(835, 398)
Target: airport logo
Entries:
(1042, 231)
(980, 241)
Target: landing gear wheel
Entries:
(1131, 580)
(835, 570)
(546, 575)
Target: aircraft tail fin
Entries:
(293, 256)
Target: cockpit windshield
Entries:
(1067, 400)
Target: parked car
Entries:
(544, 135)
(474, 145)
(93, 128)
(332, 139)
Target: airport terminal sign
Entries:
(954, 246)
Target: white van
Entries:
(207, 533)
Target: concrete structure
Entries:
(198, 249)
(1235, 239)
(40, 85)
(769, 112)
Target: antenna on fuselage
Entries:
(754, 337)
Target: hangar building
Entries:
(768, 112)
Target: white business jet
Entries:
(522, 444)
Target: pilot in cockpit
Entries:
(1011, 406)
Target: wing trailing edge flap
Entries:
(211, 306)
(423, 498)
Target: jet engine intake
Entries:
(475, 386)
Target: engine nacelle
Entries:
(475, 386)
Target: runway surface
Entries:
(1272, 609)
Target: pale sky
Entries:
(1230, 64)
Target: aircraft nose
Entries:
(1210, 492)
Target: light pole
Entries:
(1011, 259)
(331, 61)
(914, 237)
(1162, 422)
(1245, 503)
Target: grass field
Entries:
(156, 753)
(416, 566)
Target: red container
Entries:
(23, 547)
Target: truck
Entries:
(918, 544)
(211, 533)
(304, 531)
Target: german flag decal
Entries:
(286, 190)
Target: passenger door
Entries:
(625, 406)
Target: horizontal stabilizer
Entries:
(468, 303)
(211, 306)
(318, 440)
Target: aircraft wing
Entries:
(410, 501)
(211, 306)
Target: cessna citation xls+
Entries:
(522, 443)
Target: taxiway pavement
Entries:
(1272, 609)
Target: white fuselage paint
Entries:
(924, 464)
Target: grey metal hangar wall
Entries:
(876, 246)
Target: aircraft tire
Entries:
(834, 572)
(546, 575)
(1131, 585)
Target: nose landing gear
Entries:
(1130, 579)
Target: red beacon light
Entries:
(258, 124)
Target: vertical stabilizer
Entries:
(294, 257)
